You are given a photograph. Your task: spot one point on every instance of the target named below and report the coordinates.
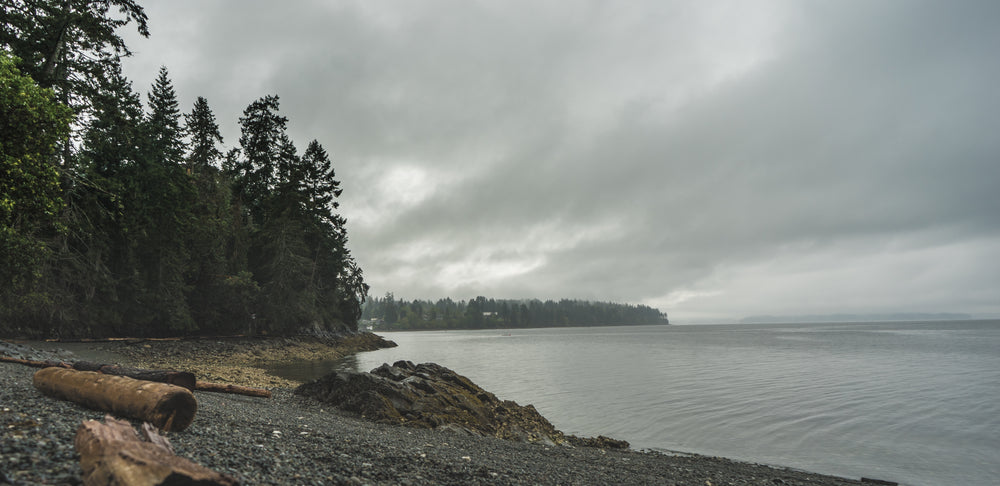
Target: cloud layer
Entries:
(713, 160)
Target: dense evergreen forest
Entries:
(124, 218)
(387, 313)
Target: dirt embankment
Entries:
(239, 361)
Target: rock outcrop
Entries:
(429, 395)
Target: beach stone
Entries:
(429, 395)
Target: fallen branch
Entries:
(35, 364)
(237, 389)
(168, 407)
(112, 453)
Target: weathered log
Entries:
(237, 389)
(185, 379)
(169, 407)
(179, 378)
(35, 364)
(111, 453)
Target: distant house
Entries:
(491, 314)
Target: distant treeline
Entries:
(387, 313)
(119, 218)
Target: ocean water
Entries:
(913, 402)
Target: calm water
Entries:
(917, 403)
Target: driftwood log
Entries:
(237, 389)
(168, 407)
(111, 453)
(180, 378)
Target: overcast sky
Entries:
(712, 159)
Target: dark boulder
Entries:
(429, 395)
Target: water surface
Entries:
(917, 403)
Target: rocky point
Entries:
(429, 395)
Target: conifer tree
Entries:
(146, 203)
(86, 279)
(204, 136)
(320, 186)
(262, 141)
(113, 135)
(163, 124)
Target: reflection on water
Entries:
(305, 371)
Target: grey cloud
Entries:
(643, 151)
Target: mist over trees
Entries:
(481, 313)
(119, 217)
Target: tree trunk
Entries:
(169, 407)
(112, 454)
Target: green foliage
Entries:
(297, 244)
(69, 45)
(31, 123)
(153, 238)
(264, 143)
(204, 133)
(483, 313)
(163, 124)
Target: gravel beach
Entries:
(289, 439)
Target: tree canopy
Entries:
(136, 224)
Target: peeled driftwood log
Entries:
(111, 453)
(169, 407)
(237, 389)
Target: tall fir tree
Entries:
(112, 137)
(163, 124)
(204, 136)
(262, 140)
(320, 185)
(221, 290)
(88, 275)
(161, 217)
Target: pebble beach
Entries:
(288, 439)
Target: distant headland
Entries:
(391, 314)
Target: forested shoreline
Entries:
(124, 218)
(388, 313)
